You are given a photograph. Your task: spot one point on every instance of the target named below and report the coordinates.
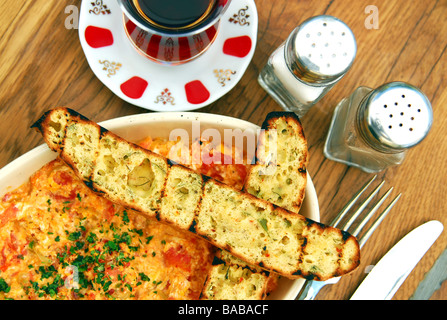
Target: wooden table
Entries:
(42, 65)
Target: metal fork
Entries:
(311, 288)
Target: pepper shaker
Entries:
(315, 56)
(373, 129)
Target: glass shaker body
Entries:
(315, 56)
(345, 143)
(291, 93)
(373, 129)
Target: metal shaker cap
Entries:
(321, 49)
(396, 116)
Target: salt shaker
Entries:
(315, 56)
(373, 129)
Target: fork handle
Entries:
(310, 290)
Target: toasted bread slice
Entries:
(232, 279)
(181, 196)
(121, 171)
(285, 187)
(279, 175)
(254, 230)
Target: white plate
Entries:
(137, 127)
(215, 72)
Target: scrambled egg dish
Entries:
(58, 240)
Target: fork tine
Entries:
(351, 202)
(311, 288)
(362, 206)
(365, 220)
(376, 223)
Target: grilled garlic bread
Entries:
(251, 229)
(285, 186)
(279, 175)
(232, 279)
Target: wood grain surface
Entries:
(42, 65)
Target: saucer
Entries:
(147, 84)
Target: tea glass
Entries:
(170, 45)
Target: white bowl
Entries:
(137, 127)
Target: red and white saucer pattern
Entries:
(153, 86)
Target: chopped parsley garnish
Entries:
(144, 277)
(92, 238)
(74, 236)
(4, 287)
(148, 239)
(125, 216)
(46, 273)
(92, 258)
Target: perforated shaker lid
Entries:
(321, 49)
(396, 115)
